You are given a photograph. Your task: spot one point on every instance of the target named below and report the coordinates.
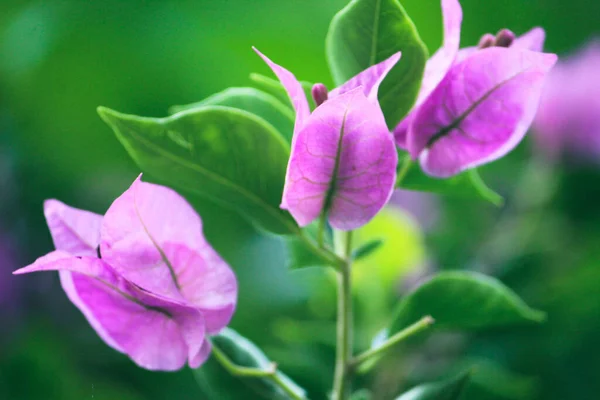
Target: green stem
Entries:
(270, 373)
(321, 230)
(406, 164)
(343, 248)
(327, 256)
(413, 329)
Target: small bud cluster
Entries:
(504, 38)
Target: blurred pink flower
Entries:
(424, 207)
(568, 119)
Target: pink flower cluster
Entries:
(143, 275)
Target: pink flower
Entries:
(143, 275)
(475, 104)
(343, 159)
(568, 120)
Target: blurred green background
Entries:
(60, 59)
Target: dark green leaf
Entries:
(451, 389)
(254, 101)
(467, 185)
(228, 155)
(463, 300)
(275, 88)
(217, 383)
(493, 380)
(362, 394)
(366, 249)
(367, 32)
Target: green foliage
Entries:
(252, 100)
(361, 395)
(366, 249)
(451, 389)
(493, 381)
(367, 32)
(275, 88)
(227, 155)
(218, 384)
(466, 185)
(168, 51)
(299, 253)
(463, 300)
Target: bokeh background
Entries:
(60, 59)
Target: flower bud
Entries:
(504, 38)
(487, 40)
(319, 93)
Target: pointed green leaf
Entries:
(466, 185)
(463, 300)
(366, 249)
(254, 101)
(218, 384)
(228, 155)
(367, 32)
(451, 389)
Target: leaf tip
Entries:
(428, 320)
(538, 316)
(496, 199)
(108, 115)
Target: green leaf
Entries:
(362, 394)
(463, 300)
(367, 32)
(366, 249)
(228, 155)
(466, 185)
(451, 389)
(275, 88)
(218, 384)
(495, 381)
(254, 101)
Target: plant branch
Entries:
(403, 170)
(248, 372)
(325, 254)
(343, 248)
(413, 329)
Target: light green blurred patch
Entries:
(402, 250)
(377, 275)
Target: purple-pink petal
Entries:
(369, 79)
(155, 333)
(202, 355)
(344, 160)
(293, 88)
(438, 65)
(73, 230)
(480, 111)
(568, 119)
(532, 40)
(153, 237)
